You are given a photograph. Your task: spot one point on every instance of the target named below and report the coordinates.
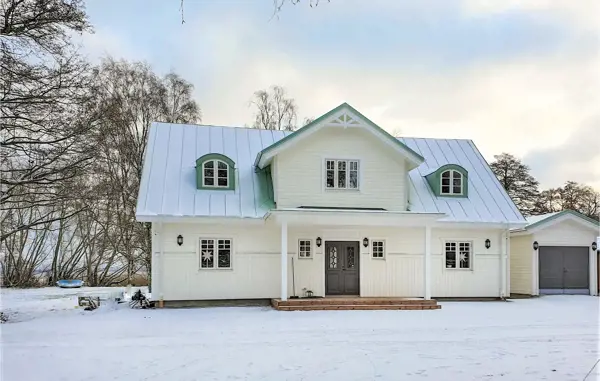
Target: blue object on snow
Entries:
(69, 283)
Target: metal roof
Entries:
(168, 184)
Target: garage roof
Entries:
(543, 220)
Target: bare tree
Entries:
(44, 116)
(130, 96)
(520, 185)
(572, 196)
(274, 110)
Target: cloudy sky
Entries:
(517, 76)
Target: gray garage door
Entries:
(564, 270)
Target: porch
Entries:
(330, 303)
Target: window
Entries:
(216, 174)
(378, 249)
(215, 171)
(458, 255)
(341, 174)
(215, 253)
(452, 183)
(305, 248)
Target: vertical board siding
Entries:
(301, 177)
(256, 262)
(521, 270)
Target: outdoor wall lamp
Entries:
(319, 241)
(594, 246)
(536, 245)
(180, 240)
(365, 242)
(488, 243)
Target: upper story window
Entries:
(341, 174)
(215, 171)
(452, 183)
(450, 180)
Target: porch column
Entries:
(284, 270)
(427, 264)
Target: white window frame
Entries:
(373, 248)
(216, 253)
(452, 193)
(457, 255)
(336, 172)
(310, 248)
(215, 174)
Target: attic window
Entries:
(452, 182)
(215, 171)
(216, 174)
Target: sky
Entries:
(516, 76)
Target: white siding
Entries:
(521, 264)
(256, 262)
(566, 233)
(299, 172)
(483, 280)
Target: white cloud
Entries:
(521, 105)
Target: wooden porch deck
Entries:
(354, 303)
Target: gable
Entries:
(343, 117)
(574, 219)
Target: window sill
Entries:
(299, 257)
(342, 190)
(215, 269)
(455, 269)
(378, 258)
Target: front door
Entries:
(341, 268)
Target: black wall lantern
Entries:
(594, 246)
(319, 241)
(365, 242)
(536, 245)
(488, 243)
(180, 240)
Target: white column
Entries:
(503, 252)
(284, 269)
(427, 264)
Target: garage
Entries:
(555, 253)
(564, 270)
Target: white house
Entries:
(339, 207)
(555, 253)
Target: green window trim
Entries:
(216, 157)
(434, 179)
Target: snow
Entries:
(547, 338)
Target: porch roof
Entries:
(353, 217)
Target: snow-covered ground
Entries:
(549, 338)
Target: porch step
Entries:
(335, 307)
(352, 303)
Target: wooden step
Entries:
(338, 307)
(353, 301)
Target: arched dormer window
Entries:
(451, 183)
(215, 171)
(449, 180)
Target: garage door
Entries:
(564, 270)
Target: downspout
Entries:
(161, 270)
(503, 265)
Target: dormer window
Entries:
(341, 174)
(216, 174)
(215, 171)
(452, 183)
(450, 180)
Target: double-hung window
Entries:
(458, 255)
(215, 253)
(341, 174)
